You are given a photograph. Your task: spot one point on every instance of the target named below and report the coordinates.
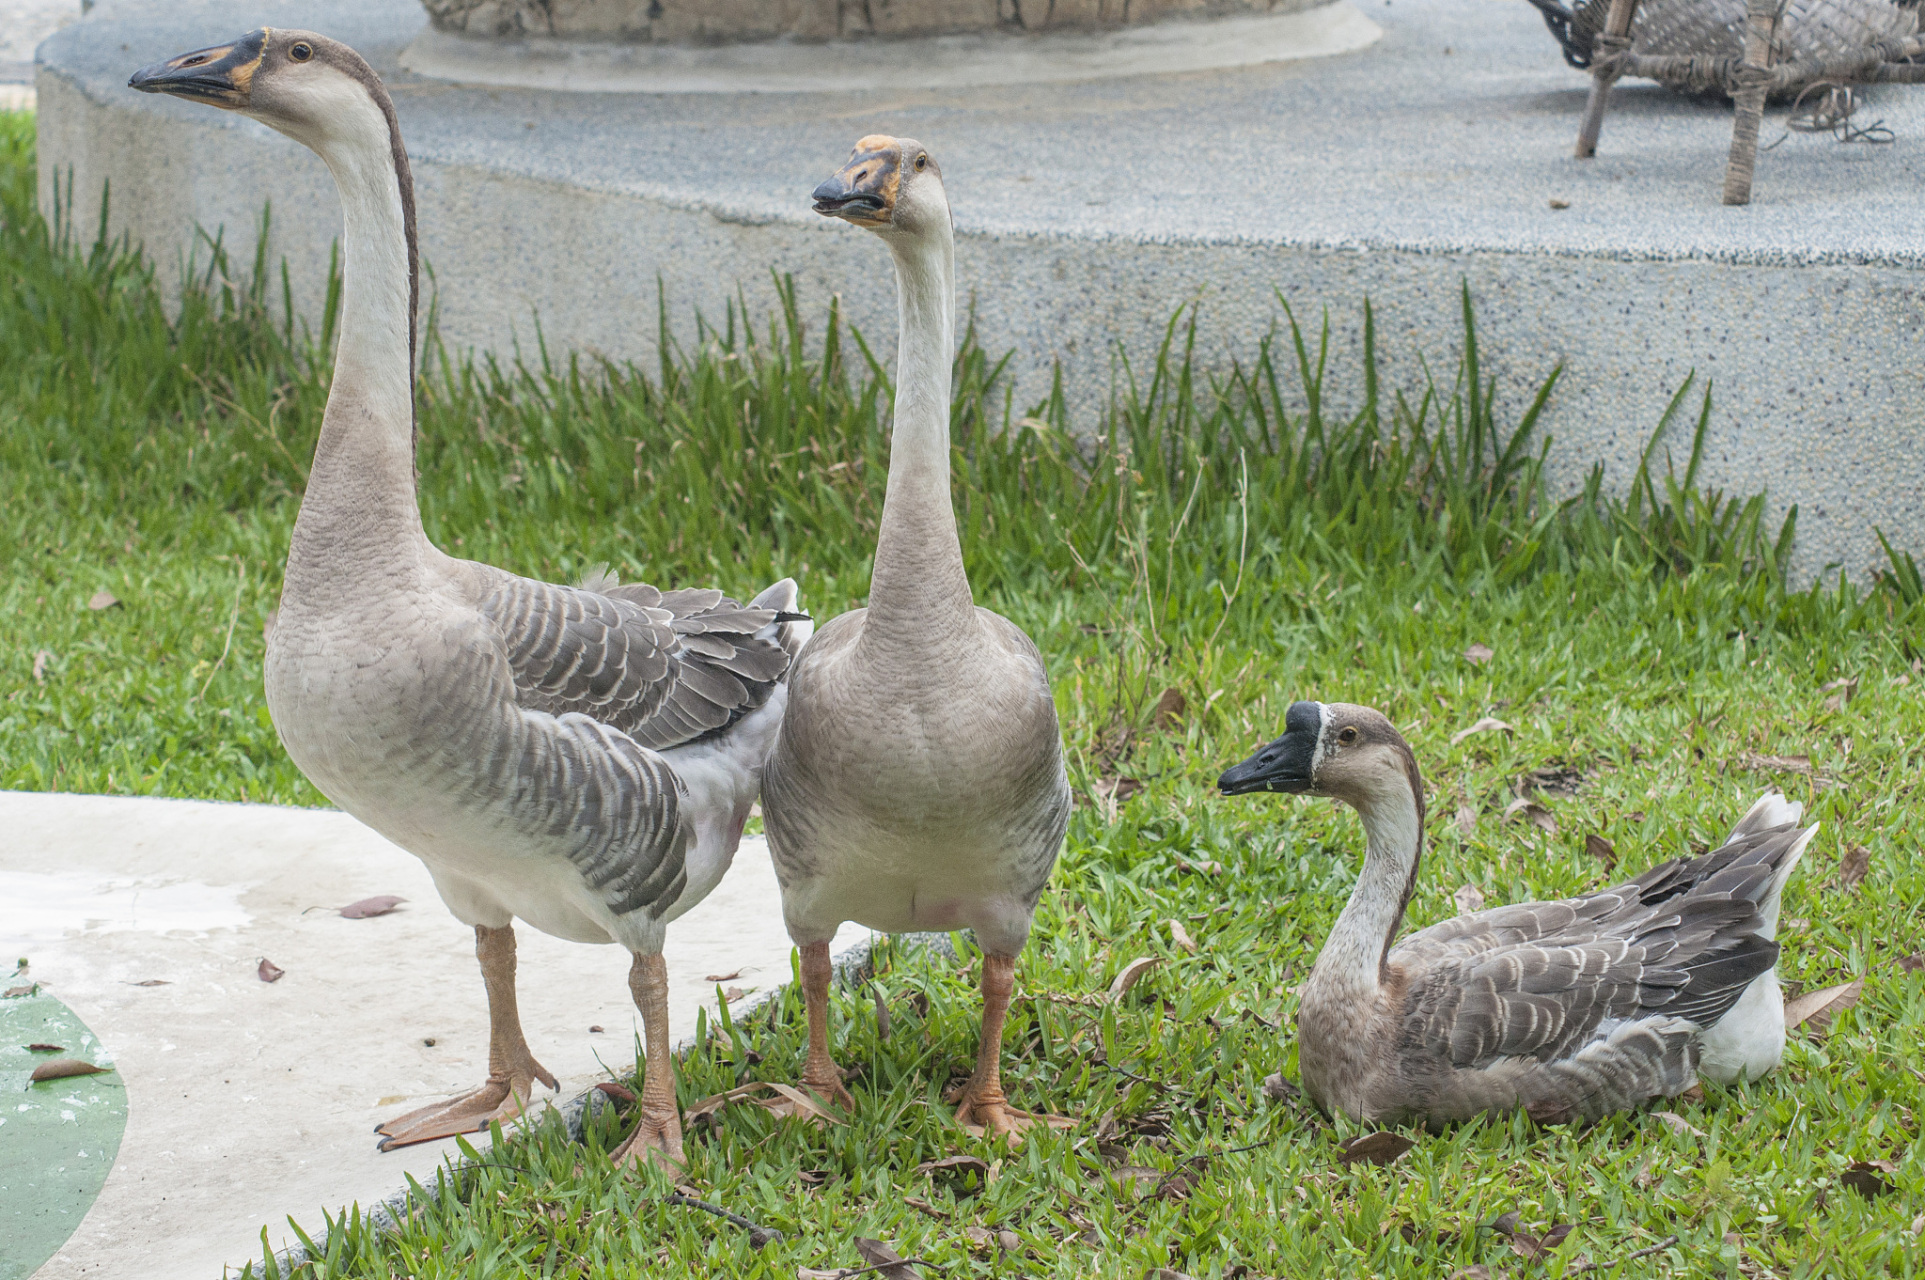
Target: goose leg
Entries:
(985, 1110)
(820, 1074)
(512, 1069)
(658, 1130)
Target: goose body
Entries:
(581, 758)
(1569, 1010)
(917, 780)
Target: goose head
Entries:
(305, 85)
(1333, 749)
(889, 185)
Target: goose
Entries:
(1570, 1010)
(917, 780)
(580, 758)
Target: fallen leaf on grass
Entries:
(61, 1068)
(1480, 654)
(1489, 724)
(1677, 1123)
(1116, 790)
(723, 977)
(788, 1103)
(1466, 820)
(1533, 1248)
(1277, 1089)
(46, 1048)
(924, 1207)
(1131, 973)
(1864, 1177)
(269, 971)
(102, 599)
(1170, 708)
(815, 1177)
(1817, 1007)
(1469, 899)
(1477, 1271)
(1854, 866)
(891, 1265)
(40, 659)
(732, 994)
(1601, 849)
(1380, 1147)
(1200, 868)
(14, 993)
(884, 1023)
(620, 1092)
(150, 982)
(368, 908)
(1181, 937)
(1166, 1273)
(1912, 963)
(1842, 691)
(1774, 764)
(956, 1164)
(1532, 812)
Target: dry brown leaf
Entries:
(1854, 866)
(1168, 1273)
(1380, 1147)
(1533, 1248)
(1912, 963)
(1116, 790)
(1469, 899)
(811, 1273)
(1918, 1225)
(1131, 973)
(14, 993)
(1774, 764)
(269, 971)
(1842, 691)
(1466, 820)
(46, 1048)
(620, 1092)
(40, 659)
(1677, 1123)
(1868, 1177)
(980, 1239)
(150, 982)
(1181, 937)
(731, 976)
(1136, 1179)
(1480, 654)
(1476, 1271)
(1201, 868)
(368, 908)
(1277, 1089)
(1008, 1241)
(1489, 724)
(956, 1164)
(102, 599)
(1170, 707)
(789, 1103)
(1817, 1007)
(61, 1068)
(890, 1264)
(925, 1208)
(1601, 849)
(1532, 812)
(732, 994)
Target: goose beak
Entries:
(221, 76)
(863, 191)
(1285, 765)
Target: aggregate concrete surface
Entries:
(250, 1101)
(1087, 212)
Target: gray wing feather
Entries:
(666, 668)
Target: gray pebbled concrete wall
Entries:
(1810, 336)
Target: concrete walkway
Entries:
(249, 1101)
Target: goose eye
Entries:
(301, 52)
(922, 162)
(1347, 737)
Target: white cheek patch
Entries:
(1322, 751)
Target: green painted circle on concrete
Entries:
(58, 1138)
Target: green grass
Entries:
(1234, 539)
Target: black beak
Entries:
(835, 198)
(221, 75)
(1285, 765)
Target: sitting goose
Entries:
(917, 781)
(1570, 1010)
(582, 758)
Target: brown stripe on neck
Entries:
(1416, 857)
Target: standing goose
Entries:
(582, 758)
(1570, 1010)
(917, 782)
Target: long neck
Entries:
(1351, 964)
(360, 506)
(919, 591)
